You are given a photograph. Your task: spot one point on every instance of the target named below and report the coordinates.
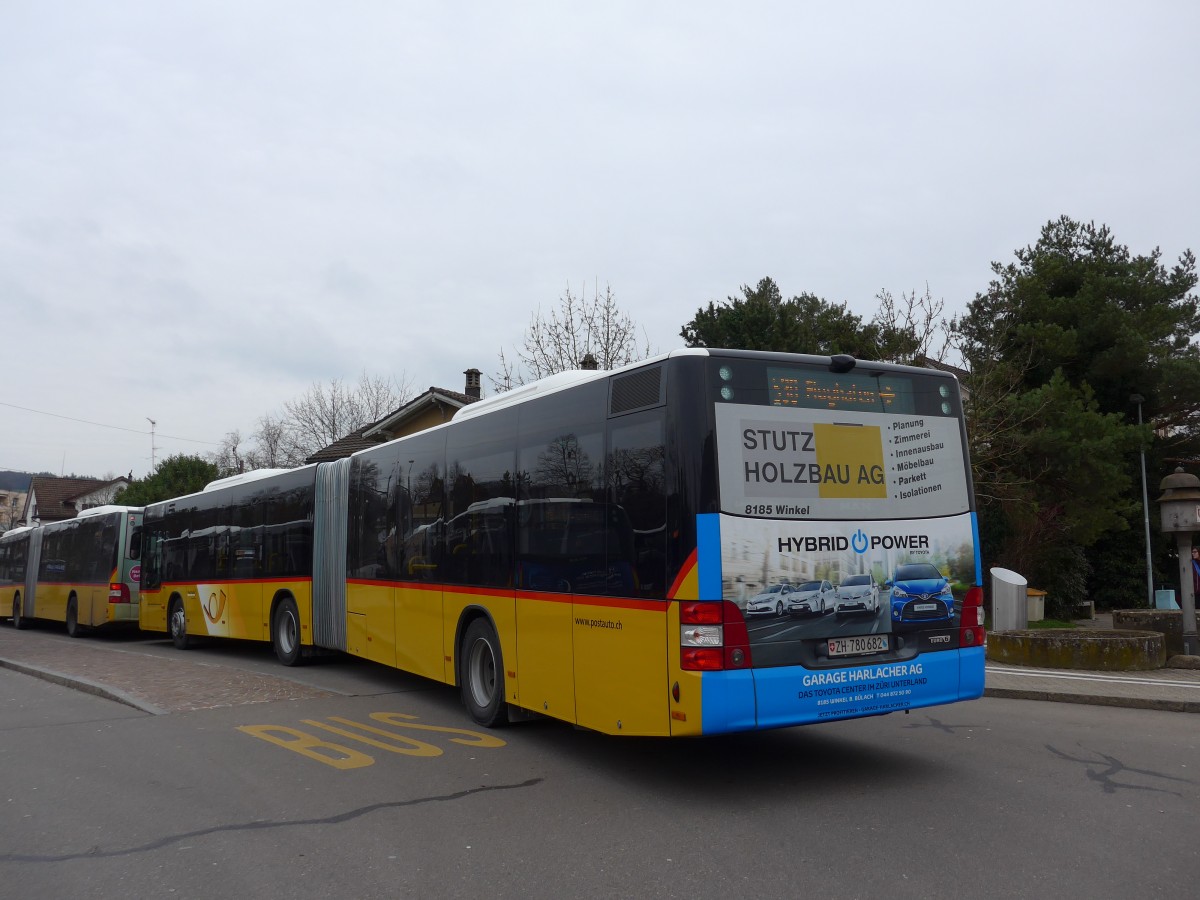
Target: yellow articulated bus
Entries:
(705, 542)
(83, 572)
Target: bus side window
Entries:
(561, 537)
(416, 531)
(109, 545)
(246, 536)
(152, 560)
(481, 459)
(637, 482)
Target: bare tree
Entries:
(912, 328)
(327, 412)
(579, 333)
(230, 457)
(270, 440)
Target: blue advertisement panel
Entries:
(792, 695)
(787, 696)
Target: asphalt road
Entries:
(348, 796)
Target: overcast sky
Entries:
(206, 207)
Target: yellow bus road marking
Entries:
(473, 738)
(313, 747)
(414, 748)
(342, 757)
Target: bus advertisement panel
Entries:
(846, 537)
(834, 464)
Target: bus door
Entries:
(616, 558)
(99, 551)
(122, 594)
(130, 573)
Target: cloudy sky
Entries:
(206, 207)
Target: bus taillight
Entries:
(712, 636)
(118, 592)
(970, 632)
(701, 612)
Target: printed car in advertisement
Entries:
(920, 594)
(811, 598)
(773, 601)
(857, 594)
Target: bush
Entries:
(1061, 571)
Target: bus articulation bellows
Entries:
(657, 550)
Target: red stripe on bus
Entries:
(684, 571)
(42, 583)
(280, 580)
(578, 599)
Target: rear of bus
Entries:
(845, 487)
(113, 535)
(124, 586)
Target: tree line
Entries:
(1056, 353)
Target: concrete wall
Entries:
(1167, 622)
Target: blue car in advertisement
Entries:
(920, 595)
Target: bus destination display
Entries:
(811, 389)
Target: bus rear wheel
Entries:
(482, 675)
(285, 633)
(177, 624)
(73, 629)
(18, 620)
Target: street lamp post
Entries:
(1179, 508)
(1139, 400)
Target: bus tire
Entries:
(285, 633)
(481, 676)
(73, 629)
(177, 624)
(18, 620)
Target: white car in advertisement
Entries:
(857, 594)
(814, 598)
(772, 601)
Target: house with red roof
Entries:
(53, 499)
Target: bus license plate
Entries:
(857, 646)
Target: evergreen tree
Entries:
(1058, 345)
(761, 319)
(176, 476)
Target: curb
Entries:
(1186, 706)
(83, 684)
(118, 696)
